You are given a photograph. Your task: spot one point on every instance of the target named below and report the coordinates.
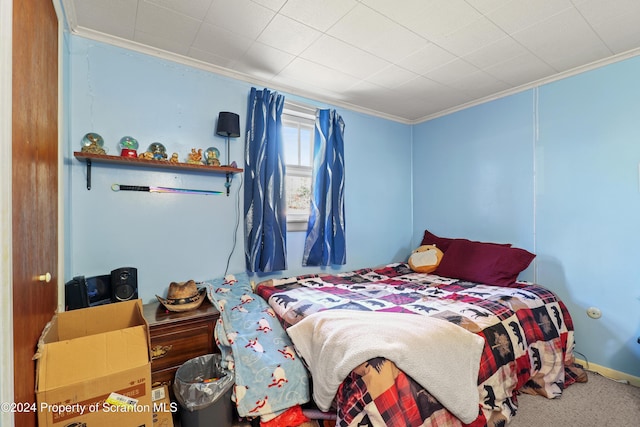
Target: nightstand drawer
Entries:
(176, 348)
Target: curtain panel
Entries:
(325, 242)
(264, 194)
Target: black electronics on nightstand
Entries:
(75, 293)
(99, 289)
(120, 285)
(124, 284)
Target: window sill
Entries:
(296, 226)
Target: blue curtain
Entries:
(325, 241)
(265, 218)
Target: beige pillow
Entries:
(425, 259)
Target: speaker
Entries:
(124, 284)
(75, 293)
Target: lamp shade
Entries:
(228, 124)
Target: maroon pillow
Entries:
(481, 262)
(443, 243)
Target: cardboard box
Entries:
(163, 408)
(93, 368)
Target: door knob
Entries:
(45, 277)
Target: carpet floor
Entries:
(598, 402)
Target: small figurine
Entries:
(158, 150)
(147, 155)
(212, 156)
(174, 158)
(195, 157)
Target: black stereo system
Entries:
(120, 285)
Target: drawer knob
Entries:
(160, 351)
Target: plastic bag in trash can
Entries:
(201, 381)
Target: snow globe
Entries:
(128, 146)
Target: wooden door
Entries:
(35, 184)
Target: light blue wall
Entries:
(173, 237)
(473, 174)
(588, 207)
(553, 170)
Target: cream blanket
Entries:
(441, 356)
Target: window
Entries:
(297, 133)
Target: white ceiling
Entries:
(406, 60)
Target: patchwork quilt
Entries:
(527, 333)
(269, 377)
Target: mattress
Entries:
(526, 329)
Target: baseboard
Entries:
(609, 373)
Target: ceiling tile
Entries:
(117, 17)
(391, 77)
(376, 98)
(402, 107)
(164, 23)
(263, 61)
(564, 41)
(242, 17)
(162, 43)
(316, 75)
(431, 96)
(426, 59)
(221, 42)
(210, 58)
(376, 34)
(518, 15)
(333, 53)
(364, 91)
(486, 6)
(288, 35)
(521, 70)
(422, 87)
(320, 15)
(274, 5)
(437, 19)
(615, 21)
(479, 84)
(398, 11)
(472, 37)
(452, 71)
(494, 53)
(196, 9)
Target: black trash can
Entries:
(203, 389)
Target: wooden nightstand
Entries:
(178, 337)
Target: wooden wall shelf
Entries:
(89, 158)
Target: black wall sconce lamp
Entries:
(228, 126)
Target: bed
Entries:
(508, 337)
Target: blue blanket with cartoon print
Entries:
(269, 376)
